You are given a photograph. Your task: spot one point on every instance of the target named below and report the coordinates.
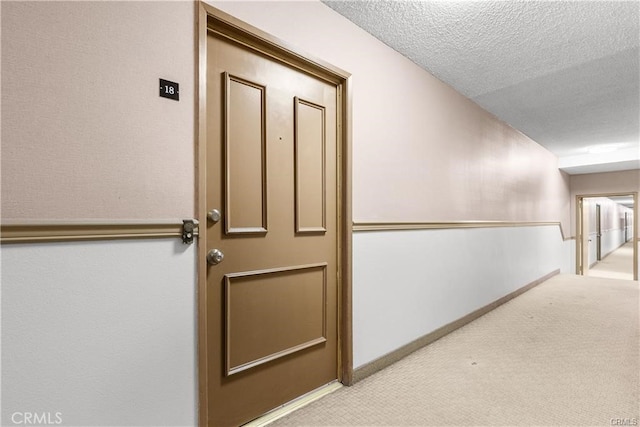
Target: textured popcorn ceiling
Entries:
(565, 73)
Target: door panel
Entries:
(310, 148)
(271, 171)
(259, 333)
(245, 156)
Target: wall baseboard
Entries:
(402, 352)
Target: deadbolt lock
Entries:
(215, 256)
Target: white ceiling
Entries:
(623, 200)
(565, 73)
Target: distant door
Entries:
(272, 279)
(583, 246)
(598, 233)
(626, 226)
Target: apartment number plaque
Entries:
(169, 89)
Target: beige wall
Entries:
(84, 132)
(421, 151)
(85, 135)
(602, 183)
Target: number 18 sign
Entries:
(169, 89)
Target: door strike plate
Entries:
(189, 229)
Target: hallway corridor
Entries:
(616, 265)
(564, 353)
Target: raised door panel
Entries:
(310, 166)
(245, 156)
(273, 313)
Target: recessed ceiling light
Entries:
(603, 148)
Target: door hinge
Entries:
(189, 229)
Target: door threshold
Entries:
(294, 405)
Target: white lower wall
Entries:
(568, 257)
(610, 241)
(104, 332)
(406, 284)
(101, 332)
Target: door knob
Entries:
(214, 215)
(215, 256)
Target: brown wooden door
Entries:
(584, 237)
(271, 172)
(598, 233)
(626, 227)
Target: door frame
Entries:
(228, 26)
(580, 227)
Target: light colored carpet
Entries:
(564, 353)
(617, 265)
